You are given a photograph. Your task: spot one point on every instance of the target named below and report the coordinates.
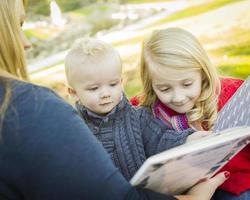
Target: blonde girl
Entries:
(176, 70)
(183, 89)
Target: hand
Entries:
(205, 190)
(198, 135)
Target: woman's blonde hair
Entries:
(12, 58)
(178, 49)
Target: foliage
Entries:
(39, 7)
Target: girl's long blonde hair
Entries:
(12, 58)
(178, 49)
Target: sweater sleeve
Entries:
(49, 153)
(158, 137)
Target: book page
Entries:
(175, 175)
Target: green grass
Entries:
(240, 70)
(242, 49)
(132, 82)
(134, 40)
(33, 33)
(146, 1)
(193, 11)
(88, 10)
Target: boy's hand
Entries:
(198, 135)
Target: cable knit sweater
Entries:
(130, 135)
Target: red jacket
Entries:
(239, 166)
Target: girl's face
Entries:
(25, 42)
(178, 90)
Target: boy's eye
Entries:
(93, 88)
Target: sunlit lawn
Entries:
(192, 11)
(146, 1)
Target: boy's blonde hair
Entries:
(178, 49)
(85, 50)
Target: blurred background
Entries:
(222, 26)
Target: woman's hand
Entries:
(204, 190)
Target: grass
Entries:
(193, 11)
(134, 40)
(242, 49)
(35, 33)
(132, 82)
(88, 10)
(239, 70)
(146, 1)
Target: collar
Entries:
(85, 112)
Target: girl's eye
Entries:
(187, 84)
(164, 89)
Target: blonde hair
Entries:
(178, 49)
(85, 50)
(12, 59)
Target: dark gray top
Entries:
(130, 135)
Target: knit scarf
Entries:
(169, 117)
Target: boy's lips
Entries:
(106, 103)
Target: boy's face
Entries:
(98, 84)
(178, 90)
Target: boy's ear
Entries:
(71, 91)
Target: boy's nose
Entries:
(105, 93)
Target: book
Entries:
(176, 170)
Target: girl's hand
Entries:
(198, 135)
(205, 190)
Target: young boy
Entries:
(94, 73)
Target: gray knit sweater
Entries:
(130, 135)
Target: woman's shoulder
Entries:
(30, 99)
(228, 87)
(22, 89)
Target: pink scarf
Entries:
(169, 117)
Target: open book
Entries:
(176, 170)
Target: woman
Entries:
(46, 150)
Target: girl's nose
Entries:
(178, 97)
